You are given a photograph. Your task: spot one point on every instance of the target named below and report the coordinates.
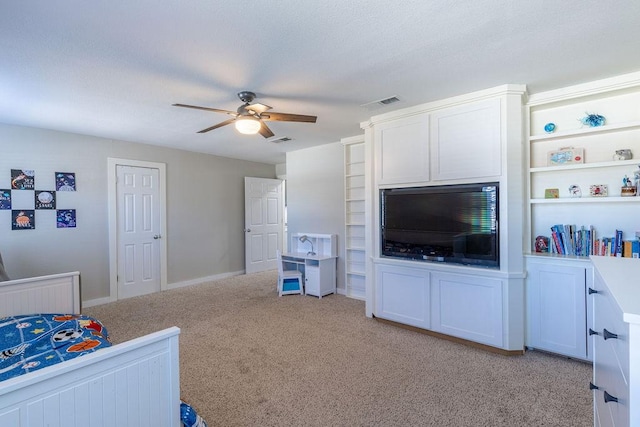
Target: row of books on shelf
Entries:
(568, 239)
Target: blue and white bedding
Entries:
(35, 341)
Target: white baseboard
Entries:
(106, 300)
(97, 301)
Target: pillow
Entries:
(3, 272)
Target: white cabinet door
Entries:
(312, 280)
(556, 308)
(468, 307)
(320, 277)
(402, 150)
(402, 295)
(466, 141)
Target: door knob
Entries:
(157, 236)
(248, 230)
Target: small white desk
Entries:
(318, 271)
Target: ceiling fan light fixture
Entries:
(248, 125)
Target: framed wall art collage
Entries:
(25, 198)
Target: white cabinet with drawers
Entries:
(616, 341)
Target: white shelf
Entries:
(620, 163)
(586, 131)
(354, 180)
(611, 199)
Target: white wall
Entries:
(315, 194)
(205, 208)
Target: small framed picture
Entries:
(5, 199)
(65, 181)
(565, 156)
(66, 218)
(23, 219)
(599, 190)
(45, 199)
(551, 193)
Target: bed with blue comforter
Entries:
(35, 341)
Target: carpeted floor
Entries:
(250, 358)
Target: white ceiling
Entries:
(113, 68)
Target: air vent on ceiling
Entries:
(279, 140)
(381, 102)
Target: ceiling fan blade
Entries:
(257, 108)
(265, 131)
(219, 125)
(216, 110)
(286, 117)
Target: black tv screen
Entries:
(453, 223)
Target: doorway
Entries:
(137, 225)
(263, 212)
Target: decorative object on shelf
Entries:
(599, 190)
(551, 193)
(592, 120)
(550, 127)
(624, 154)
(636, 179)
(565, 155)
(575, 191)
(628, 189)
(542, 244)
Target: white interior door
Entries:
(138, 231)
(263, 207)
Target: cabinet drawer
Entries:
(608, 316)
(608, 377)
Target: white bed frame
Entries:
(134, 384)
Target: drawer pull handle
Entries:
(592, 332)
(608, 398)
(608, 335)
(592, 291)
(592, 386)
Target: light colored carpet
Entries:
(251, 358)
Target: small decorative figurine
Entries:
(592, 120)
(542, 244)
(628, 189)
(636, 178)
(575, 191)
(624, 154)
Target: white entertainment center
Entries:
(474, 138)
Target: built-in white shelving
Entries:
(616, 99)
(354, 191)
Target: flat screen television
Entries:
(452, 223)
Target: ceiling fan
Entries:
(250, 118)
